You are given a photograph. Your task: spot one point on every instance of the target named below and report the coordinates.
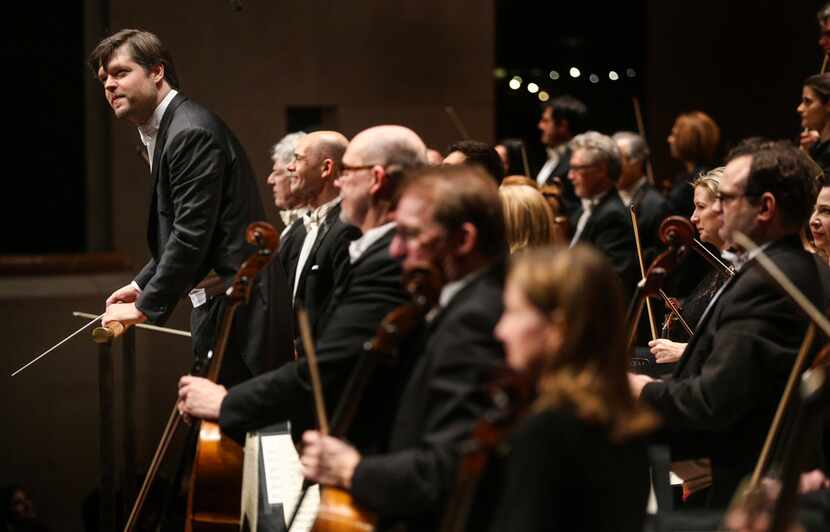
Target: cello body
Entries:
(214, 500)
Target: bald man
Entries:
(316, 252)
(372, 170)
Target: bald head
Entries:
(316, 166)
(389, 145)
(374, 164)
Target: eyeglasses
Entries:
(583, 167)
(346, 169)
(728, 198)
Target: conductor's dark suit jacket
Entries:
(371, 290)
(204, 197)
(722, 396)
(325, 269)
(609, 230)
(440, 405)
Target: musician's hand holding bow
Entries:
(808, 138)
(200, 398)
(666, 351)
(327, 460)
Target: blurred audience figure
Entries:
(19, 514)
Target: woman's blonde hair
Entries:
(528, 218)
(578, 290)
(710, 181)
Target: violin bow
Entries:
(456, 121)
(641, 127)
(311, 355)
(635, 227)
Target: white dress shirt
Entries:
(358, 247)
(312, 221)
(149, 131)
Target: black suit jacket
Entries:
(722, 396)
(290, 246)
(371, 290)
(609, 230)
(204, 197)
(326, 268)
(440, 405)
(553, 478)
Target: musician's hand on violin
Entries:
(637, 383)
(808, 138)
(327, 460)
(125, 313)
(125, 294)
(200, 398)
(666, 351)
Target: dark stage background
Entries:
(74, 184)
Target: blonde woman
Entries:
(708, 223)
(528, 218)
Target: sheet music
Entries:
(284, 479)
(250, 481)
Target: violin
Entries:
(676, 233)
(337, 511)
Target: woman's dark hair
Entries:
(820, 83)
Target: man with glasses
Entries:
(371, 172)
(720, 401)
(449, 217)
(601, 219)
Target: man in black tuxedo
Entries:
(562, 118)
(371, 174)
(204, 197)
(289, 204)
(634, 189)
(451, 217)
(602, 220)
(720, 401)
(321, 246)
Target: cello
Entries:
(216, 455)
(215, 487)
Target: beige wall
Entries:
(377, 61)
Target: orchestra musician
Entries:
(204, 197)
(693, 141)
(562, 118)
(601, 219)
(814, 110)
(451, 217)
(720, 400)
(372, 169)
(585, 431)
(820, 222)
(708, 223)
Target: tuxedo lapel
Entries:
(325, 227)
(161, 139)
